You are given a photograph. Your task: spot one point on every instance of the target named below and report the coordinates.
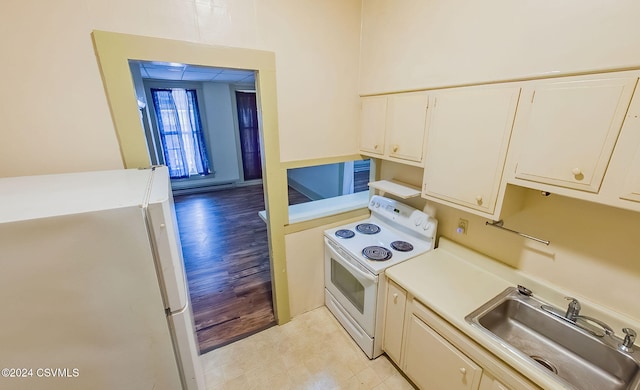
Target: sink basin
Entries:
(574, 356)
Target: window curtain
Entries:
(180, 129)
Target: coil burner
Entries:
(377, 253)
(402, 246)
(345, 233)
(368, 228)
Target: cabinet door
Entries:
(632, 184)
(490, 383)
(568, 130)
(432, 363)
(394, 321)
(467, 141)
(372, 132)
(407, 113)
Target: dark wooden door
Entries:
(249, 135)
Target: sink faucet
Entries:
(573, 310)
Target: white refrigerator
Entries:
(93, 292)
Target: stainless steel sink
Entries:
(572, 354)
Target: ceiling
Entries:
(184, 72)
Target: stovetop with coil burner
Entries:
(394, 232)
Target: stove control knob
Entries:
(418, 220)
(426, 226)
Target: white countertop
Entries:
(453, 281)
(324, 207)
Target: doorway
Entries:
(114, 50)
(203, 124)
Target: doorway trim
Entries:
(114, 50)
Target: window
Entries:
(180, 131)
(318, 182)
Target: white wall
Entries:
(219, 113)
(317, 44)
(138, 81)
(54, 113)
(305, 267)
(593, 252)
(55, 116)
(419, 44)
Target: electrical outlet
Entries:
(463, 225)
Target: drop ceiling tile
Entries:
(197, 76)
(164, 74)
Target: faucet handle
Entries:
(629, 339)
(573, 309)
(572, 299)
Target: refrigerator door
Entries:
(185, 345)
(170, 267)
(168, 252)
(80, 291)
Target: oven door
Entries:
(352, 285)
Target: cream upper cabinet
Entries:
(431, 362)
(566, 130)
(631, 185)
(621, 184)
(393, 127)
(394, 321)
(372, 132)
(631, 189)
(467, 141)
(407, 114)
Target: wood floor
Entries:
(226, 255)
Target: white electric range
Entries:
(357, 253)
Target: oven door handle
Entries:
(352, 267)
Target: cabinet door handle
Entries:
(395, 148)
(463, 370)
(395, 298)
(479, 199)
(376, 146)
(577, 173)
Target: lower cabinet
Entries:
(488, 382)
(432, 363)
(394, 321)
(435, 355)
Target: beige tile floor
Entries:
(312, 351)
